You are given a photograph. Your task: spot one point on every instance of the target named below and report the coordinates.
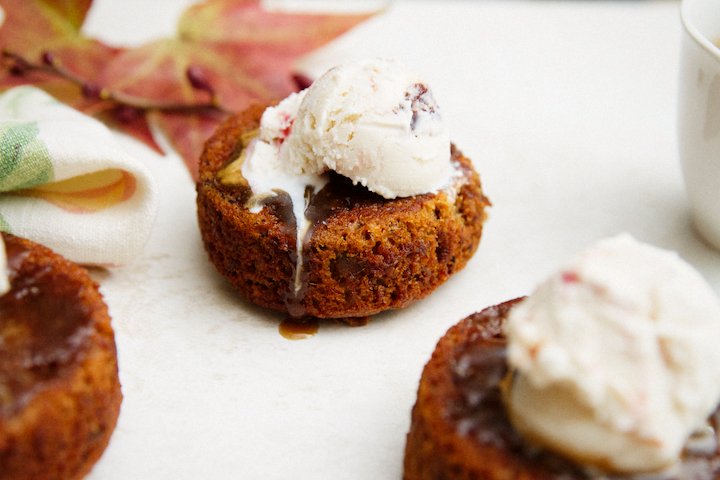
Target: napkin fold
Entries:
(67, 184)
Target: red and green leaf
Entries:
(237, 51)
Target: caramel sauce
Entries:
(44, 328)
(294, 328)
(478, 369)
(338, 195)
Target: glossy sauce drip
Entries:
(338, 194)
(281, 207)
(280, 204)
(299, 277)
(294, 328)
(478, 368)
(44, 329)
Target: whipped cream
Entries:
(371, 121)
(615, 358)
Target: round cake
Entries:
(362, 254)
(59, 389)
(460, 429)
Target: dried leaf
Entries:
(243, 53)
(246, 22)
(188, 134)
(55, 29)
(73, 11)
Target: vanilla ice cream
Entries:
(371, 121)
(616, 358)
(375, 123)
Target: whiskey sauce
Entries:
(44, 329)
(294, 328)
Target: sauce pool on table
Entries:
(301, 328)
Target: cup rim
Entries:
(695, 33)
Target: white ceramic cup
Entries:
(699, 113)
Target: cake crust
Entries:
(365, 254)
(460, 430)
(59, 389)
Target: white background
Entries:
(568, 110)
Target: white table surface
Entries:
(568, 112)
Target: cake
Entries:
(59, 389)
(356, 252)
(482, 412)
(460, 428)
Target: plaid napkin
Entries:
(65, 182)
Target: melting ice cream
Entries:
(372, 121)
(615, 358)
(375, 123)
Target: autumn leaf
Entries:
(55, 38)
(239, 51)
(73, 11)
(53, 22)
(55, 28)
(245, 52)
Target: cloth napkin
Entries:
(67, 184)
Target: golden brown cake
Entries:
(363, 253)
(59, 389)
(460, 429)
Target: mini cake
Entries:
(59, 389)
(374, 218)
(471, 419)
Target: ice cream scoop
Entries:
(372, 121)
(376, 123)
(615, 359)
